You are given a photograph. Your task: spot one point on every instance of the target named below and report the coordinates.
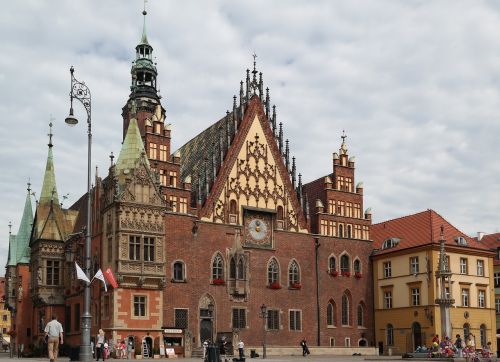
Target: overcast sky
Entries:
(415, 84)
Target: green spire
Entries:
(24, 232)
(132, 149)
(11, 259)
(49, 189)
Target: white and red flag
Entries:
(110, 277)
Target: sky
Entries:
(414, 84)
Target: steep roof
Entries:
(418, 229)
(49, 188)
(24, 232)
(132, 149)
(11, 259)
(491, 241)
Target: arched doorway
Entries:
(149, 343)
(207, 319)
(416, 332)
(362, 343)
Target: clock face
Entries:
(258, 228)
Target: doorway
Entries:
(416, 332)
(205, 330)
(149, 343)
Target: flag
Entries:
(80, 274)
(110, 277)
(99, 276)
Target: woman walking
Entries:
(100, 345)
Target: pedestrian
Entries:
(458, 345)
(100, 345)
(130, 347)
(436, 339)
(241, 346)
(305, 349)
(205, 346)
(222, 349)
(54, 335)
(123, 348)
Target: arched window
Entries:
(232, 268)
(482, 335)
(293, 273)
(330, 314)
(345, 310)
(344, 264)
(273, 272)
(241, 269)
(332, 264)
(233, 209)
(279, 213)
(361, 317)
(357, 266)
(390, 335)
(218, 268)
(348, 231)
(341, 231)
(466, 330)
(178, 271)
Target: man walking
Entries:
(54, 333)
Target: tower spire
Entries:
(144, 38)
(49, 189)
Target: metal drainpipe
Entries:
(316, 247)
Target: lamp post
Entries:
(263, 315)
(211, 308)
(81, 92)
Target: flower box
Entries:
(295, 286)
(334, 273)
(346, 274)
(274, 286)
(218, 282)
(358, 275)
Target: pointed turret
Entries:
(49, 189)
(132, 150)
(11, 258)
(24, 232)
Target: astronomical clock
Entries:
(258, 227)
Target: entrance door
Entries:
(149, 342)
(205, 330)
(417, 335)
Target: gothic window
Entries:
(134, 247)
(345, 310)
(331, 319)
(178, 271)
(139, 305)
(344, 264)
(279, 214)
(232, 268)
(357, 266)
(341, 230)
(218, 268)
(241, 269)
(348, 232)
(273, 272)
(293, 273)
(361, 316)
(53, 270)
(149, 249)
(332, 264)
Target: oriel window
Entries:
(149, 249)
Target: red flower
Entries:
(296, 285)
(358, 275)
(334, 273)
(346, 274)
(218, 281)
(275, 285)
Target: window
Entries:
(163, 178)
(273, 272)
(348, 231)
(347, 342)
(293, 273)
(106, 307)
(465, 297)
(332, 342)
(332, 264)
(387, 269)
(414, 265)
(218, 268)
(77, 317)
(447, 292)
(173, 178)
(388, 299)
(330, 314)
(239, 318)
(361, 318)
(173, 203)
(463, 266)
(390, 335)
(152, 151)
(183, 205)
(345, 310)
(497, 305)
(415, 296)
(295, 320)
(480, 267)
(149, 249)
(481, 302)
(163, 152)
(390, 243)
(181, 318)
(178, 271)
(331, 206)
(4, 318)
(460, 240)
(341, 230)
(139, 305)
(240, 270)
(496, 279)
(482, 335)
(134, 247)
(232, 269)
(344, 264)
(157, 127)
(273, 320)
(357, 266)
(52, 272)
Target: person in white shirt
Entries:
(54, 332)
(241, 345)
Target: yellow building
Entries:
(4, 314)
(405, 288)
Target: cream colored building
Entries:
(405, 289)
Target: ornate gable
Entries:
(254, 177)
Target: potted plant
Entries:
(275, 285)
(346, 274)
(358, 275)
(296, 286)
(334, 273)
(218, 281)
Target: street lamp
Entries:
(263, 315)
(81, 92)
(211, 308)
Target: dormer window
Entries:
(390, 243)
(460, 240)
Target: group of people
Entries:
(223, 346)
(459, 348)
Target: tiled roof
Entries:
(49, 181)
(24, 232)
(418, 229)
(132, 149)
(491, 241)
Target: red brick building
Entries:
(201, 238)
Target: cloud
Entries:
(414, 84)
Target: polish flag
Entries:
(110, 277)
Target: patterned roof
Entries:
(418, 229)
(132, 149)
(49, 180)
(24, 232)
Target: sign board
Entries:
(170, 352)
(173, 331)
